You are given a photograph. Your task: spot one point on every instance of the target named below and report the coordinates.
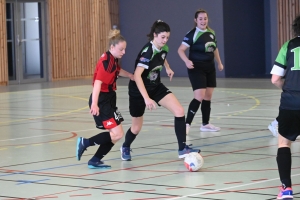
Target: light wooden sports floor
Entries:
(39, 125)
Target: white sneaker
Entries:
(209, 128)
(274, 129)
(188, 128)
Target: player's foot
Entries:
(274, 129)
(80, 148)
(188, 128)
(187, 149)
(209, 128)
(285, 194)
(97, 165)
(125, 153)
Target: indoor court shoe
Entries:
(187, 149)
(80, 148)
(188, 128)
(97, 165)
(125, 153)
(209, 128)
(274, 129)
(285, 194)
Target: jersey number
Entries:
(296, 58)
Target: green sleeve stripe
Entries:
(281, 58)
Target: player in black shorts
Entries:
(102, 102)
(147, 89)
(287, 65)
(203, 50)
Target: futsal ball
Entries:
(193, 161)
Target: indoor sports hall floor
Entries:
(39, 125)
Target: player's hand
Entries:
(170, 73)
(150, 104)
(131, 76)
(189, 64)
(220, 67)
(95, 110)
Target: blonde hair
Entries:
(196, 16)
(115, 37)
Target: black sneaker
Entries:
(96, 165)
(80, 148)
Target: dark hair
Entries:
(196, 16)
(296, 26)
(114, 37)
(158, 27)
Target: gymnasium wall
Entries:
(137, 17)
(245, 31)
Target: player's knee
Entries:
(135, 129)
(115, 136)
(179, 111)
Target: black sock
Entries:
(205, 108)
(101, 138)
(103, 150)
(180, 131)
(129, 138)
(284, 162)
(193, 108)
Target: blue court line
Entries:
(46, 169)
(26, 182)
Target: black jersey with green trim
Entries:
(152, 59)
(287, 64)
(202, 44)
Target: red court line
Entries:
(145, 190)
(205, 185)
(175, 188)
(73, 135)
(165, 197)
(234, 182)
(113, 192)
(263, 179)
(80, 195)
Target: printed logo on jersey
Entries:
(210, 46)
(163, 56)
(118, 115)
(212, 36)
(110, 123)
(185, 39)
(142, 59)
(153, 74)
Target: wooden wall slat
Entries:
(3, 45)
(287, 11)
(79, 35)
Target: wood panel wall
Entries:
(78, 35)
(3, 45)
(287, 11)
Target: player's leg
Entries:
(136, 108)
(171, 103)
(116, 134)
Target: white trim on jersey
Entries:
(276, 70)
(185, 44)
(142, 65)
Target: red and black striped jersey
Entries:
(107, 71)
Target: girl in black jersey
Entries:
(201, 68)
(102, 102)
(287, 65)
(147, 89)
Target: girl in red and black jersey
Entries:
(200, 64)
(102, 102)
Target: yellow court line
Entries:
(54, 115)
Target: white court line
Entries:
(238, 186)
(143, 123)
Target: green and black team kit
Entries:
(287, 64)
(202, 44)
(152, 59)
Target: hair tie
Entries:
(159, 21)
